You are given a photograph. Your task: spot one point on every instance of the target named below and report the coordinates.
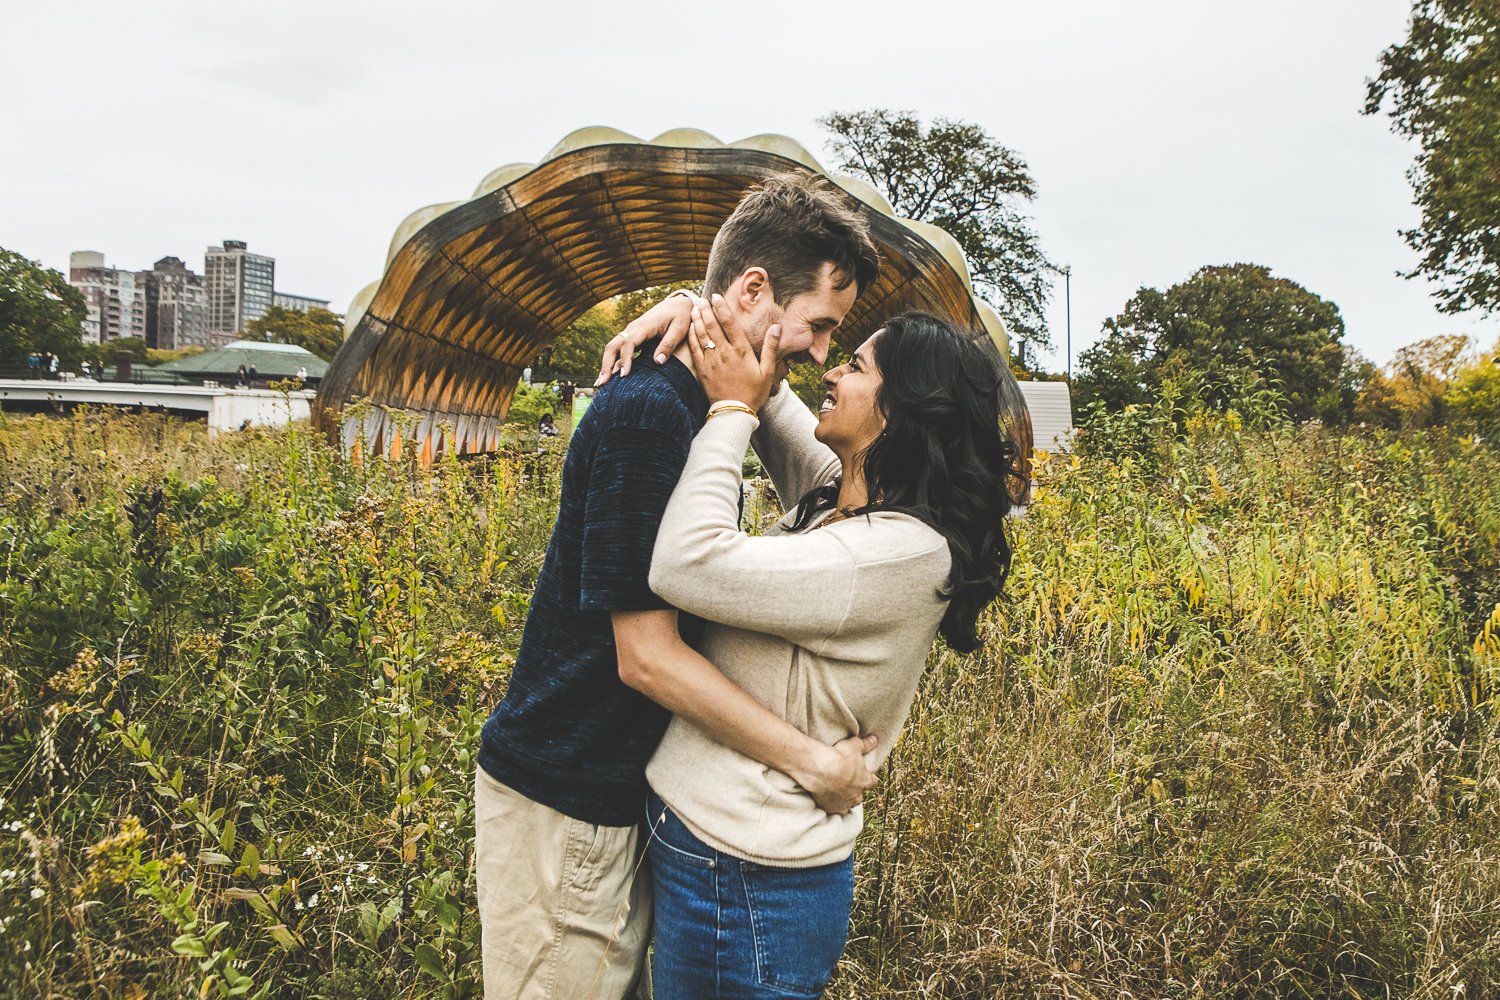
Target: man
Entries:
(564, 905)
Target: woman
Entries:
(827, 621)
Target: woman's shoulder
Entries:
(888, 535)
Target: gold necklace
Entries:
(839, 513)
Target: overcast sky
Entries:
(1163, 134)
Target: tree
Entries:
(574, 355)
(1439, 86)
(39, 311)
(1221, 329)
(317, 330)
(631, 304)
(954, 175)
(1475, 399)
(1415, 388)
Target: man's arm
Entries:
(655, 661)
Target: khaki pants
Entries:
(564, 905)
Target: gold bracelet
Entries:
(729, 406)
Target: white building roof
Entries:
(261, 345)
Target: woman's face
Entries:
(850, 420)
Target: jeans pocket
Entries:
(666, 830)
(799, 918)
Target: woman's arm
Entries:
(796, 461)
(656, 662)
(795, 586)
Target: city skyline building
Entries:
(171, 307)
(114, 299)
(241, 287)
(176, 306)
(300, 303)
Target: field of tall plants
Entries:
(1232, 733)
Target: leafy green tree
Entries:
(106, 355)
(39, 311)
(1223, 326)
(531, 403)
(317, 330)
(160, 356)
(631, 304)
(574, 355)
(1475, 398)
(954, 175)
(1413, 390)
(1440, 89)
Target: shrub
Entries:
(1231, 734)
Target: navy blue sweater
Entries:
(568, 733)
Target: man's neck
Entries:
(685, 355)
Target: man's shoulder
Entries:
(644, 399)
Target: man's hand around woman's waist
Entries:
(837, 777)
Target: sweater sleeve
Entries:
(796, 460)
(798, 586)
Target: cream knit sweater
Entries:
(828, 628)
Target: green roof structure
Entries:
(271, 361)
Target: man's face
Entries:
(807, 321)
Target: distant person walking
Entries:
(34, 362)
(52, 366)
(85, 369)
(302, 373)
(241, 378)
(252, 374)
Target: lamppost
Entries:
(1067, 272)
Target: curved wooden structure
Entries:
(473, 291)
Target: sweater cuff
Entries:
(732, 425)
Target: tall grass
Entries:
(1232, 732)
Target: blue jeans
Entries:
(736, 930)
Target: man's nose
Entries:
(818, 350)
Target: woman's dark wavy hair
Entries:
(941, 458)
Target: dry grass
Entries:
(1231, 735)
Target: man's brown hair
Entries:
(791, 225)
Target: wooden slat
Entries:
(483, 288)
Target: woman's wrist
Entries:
(730, 406)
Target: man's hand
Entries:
(837, 777)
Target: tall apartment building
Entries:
(241, 286)
(176, 306)
(301, 303)
(115, 300)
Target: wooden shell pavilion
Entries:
(474, 290)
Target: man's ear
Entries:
(752, 289)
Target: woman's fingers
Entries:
(695, 341)
(717, 310)
(770, 349)
(722, 319)
(701, 330)
(717, 332)
(676, 330)
(611, 359)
